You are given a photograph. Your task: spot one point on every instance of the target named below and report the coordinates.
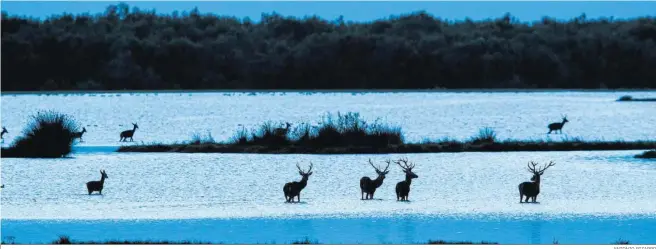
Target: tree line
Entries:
(128, 48)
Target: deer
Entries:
(282, 131)
(368, 186)
(403, 187)
(79, 134)
(293, 189)
(557, 126)
(97, 185)
(2, 134)
(128, 133)
(532, 189)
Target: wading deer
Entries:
(128, 133)
(403, 187)
(97, 185)
(282, 131)
(532, 189)
(293, 189)
(368, 186)
(79, 134)
(2, 134)
(557, 126)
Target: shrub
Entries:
(647, 154)
(48, 135)
(197, 138)
(485, 135)
(625, 98)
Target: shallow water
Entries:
(169, 117)
(588, 197)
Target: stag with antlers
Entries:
(532, 189)
(292, 189)
(403, 187)
(368, 186)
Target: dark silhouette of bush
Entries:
(339, 130)
(443, 242)
(48, 135)
(136, 49)
(647, 154)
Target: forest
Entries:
(131, 49)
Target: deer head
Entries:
(407, 168)
(304, 174)
(103, 174)
(538, 172)
(4, 130)
(135, 126)
(564, 118)
(84, 129)
(381, 173)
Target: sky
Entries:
(355, 10)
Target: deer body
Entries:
(128, 133)
(2, 134)
(79, 134)
(293, 189)
(532, 189)
(557, 126)
(97, 185)
(403, 187)
(368, 187)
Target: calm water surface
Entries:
(588, 197)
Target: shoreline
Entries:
(438, 147)
(453, 90)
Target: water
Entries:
(588, 197)
(170, 117)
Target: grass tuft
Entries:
(443, 242)
(48, 135)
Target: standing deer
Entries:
(403, 187)
(282, 131)
(2, 134)
(97, 185)
(79, 134)
(128, 133)
(532, 189)
(557, 126)
(369, 186)
(292, 189)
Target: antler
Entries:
(551, 163)
(309, 170)
(532, 168)
(299, 168)
(372, 165)
(388, 161)
(406, 166)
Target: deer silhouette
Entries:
(557, 126)
(532, 189)
(79, 134)
(97, 185)
(368, 186)
(2, 134)
(293, 189)
(403, 187)
(128, 133)
(282, 131)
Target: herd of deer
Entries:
(78, 135)
(278, 131)
(368, 187)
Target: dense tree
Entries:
(127, 48)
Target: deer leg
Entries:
(520, 197)
(526, 200)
